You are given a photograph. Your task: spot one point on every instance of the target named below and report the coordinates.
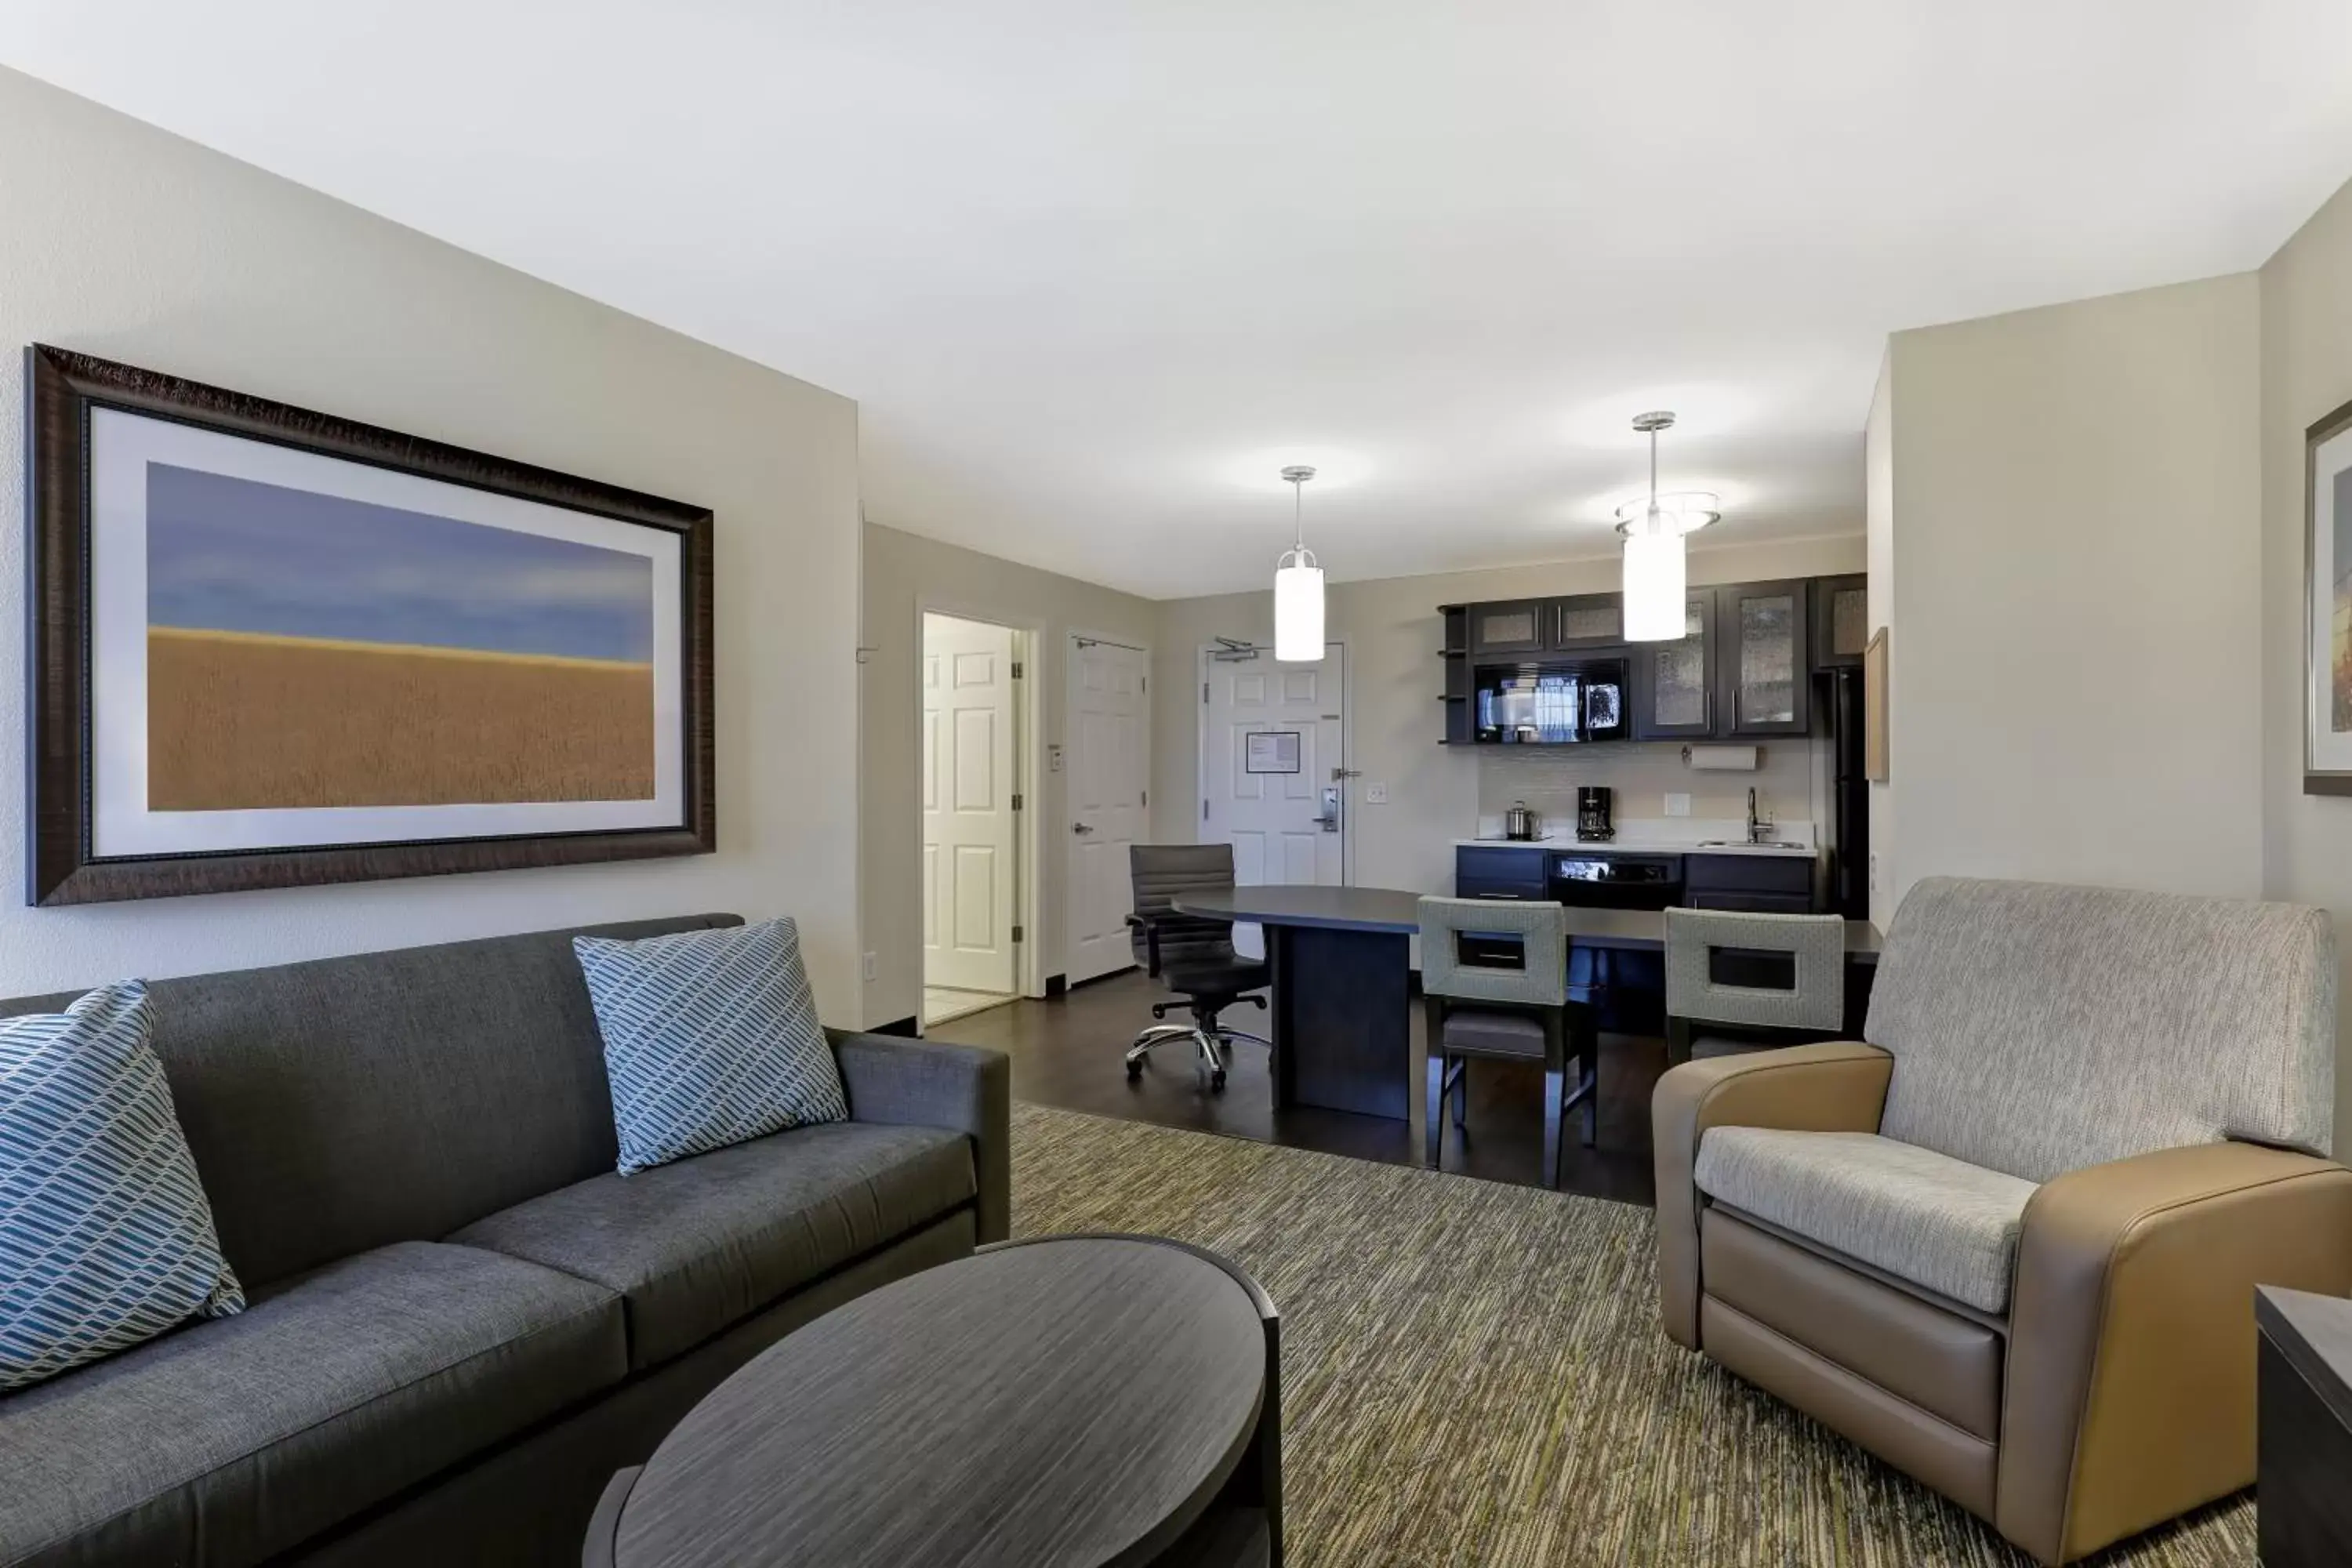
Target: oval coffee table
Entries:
(1061, 1403)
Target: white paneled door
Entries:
(969, 830)
(1109, 761)
(1273, 780)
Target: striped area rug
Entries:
(1473, 1375)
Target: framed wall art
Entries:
(272, 647)
(2327, 605)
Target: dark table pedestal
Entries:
(1342, 1018)
(2304, 1429)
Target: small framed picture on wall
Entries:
(2327, 605)
(272, 646)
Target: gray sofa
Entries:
(461, 1321)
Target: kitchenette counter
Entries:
(1632, 842)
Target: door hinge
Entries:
(1145, 799)
(1143, 684)
(1016, 802)
(1204, 810)
(1016, 669)
(1204, 693)
(1016, 933)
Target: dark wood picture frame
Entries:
(2316, 779)
(62, 390)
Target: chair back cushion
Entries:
(2038, 1028)
(1159, 872)
(347, 1103)
(1541, 979)
(1815, 999)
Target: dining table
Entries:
(1341, 962)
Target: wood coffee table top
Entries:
(1061, 1402)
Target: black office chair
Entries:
(1192, 956)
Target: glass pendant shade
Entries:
(1657, 586)
(1298, 609)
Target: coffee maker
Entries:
(1592, 814)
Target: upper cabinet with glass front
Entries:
(1763, 659)
(1840, 621)
(1673, 695)
(1508, 627)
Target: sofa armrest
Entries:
(1835, 1088)
(964, 1088)
(2130, 1383)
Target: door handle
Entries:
(1330, 821)
(1080, 827)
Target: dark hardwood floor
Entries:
(1066, 1052)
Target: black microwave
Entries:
(1551, 704)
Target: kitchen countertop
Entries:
(1637, 843)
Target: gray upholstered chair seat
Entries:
(1942, 1224)
(1490, 1032)
(235, 1438)
(701, 1243)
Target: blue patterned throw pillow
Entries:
(710, 1039)
(105, 1238)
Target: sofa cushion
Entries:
(710, 1039)
(1945, 1226)
(236, 1439)
(702, 1243)
(105, 1238)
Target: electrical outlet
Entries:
(873, 966)
(1376, 794)
(1678, 806)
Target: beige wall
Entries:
(1878, 533)
(2307, 301)
(119, 240)
(2076, 593)
(1390, 629)
(906, 575)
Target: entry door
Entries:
(1273, 775)
(1109, 761)
(968, 821)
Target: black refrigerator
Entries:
(1849, 871)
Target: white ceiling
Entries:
(1097, 269)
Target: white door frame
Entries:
(1069, 816)
(1028, 767)
(1349, 799)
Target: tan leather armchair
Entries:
(2067, 1352)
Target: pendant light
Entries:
(1656, 582)
(1298, 586)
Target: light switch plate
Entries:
(873, 966)
(1376, 794)
(1678, 806)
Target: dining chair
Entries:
(1501, 1013)
(1760, 980)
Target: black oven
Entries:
(1555, 704)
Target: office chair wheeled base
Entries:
(1212, 1044)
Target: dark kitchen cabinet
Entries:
(1588, 621)
(1674, 688)
(1513, 626)
(1763, 659)
(1765, 884)
(1840, 621)
(1507, 872)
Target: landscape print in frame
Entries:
(2327, 599)
(272, 646)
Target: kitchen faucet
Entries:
(1758, 829)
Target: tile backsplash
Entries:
(1642, 774)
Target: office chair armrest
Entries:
(1151, 926)
(2130, 1378)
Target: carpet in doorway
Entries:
(1473, 1375)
